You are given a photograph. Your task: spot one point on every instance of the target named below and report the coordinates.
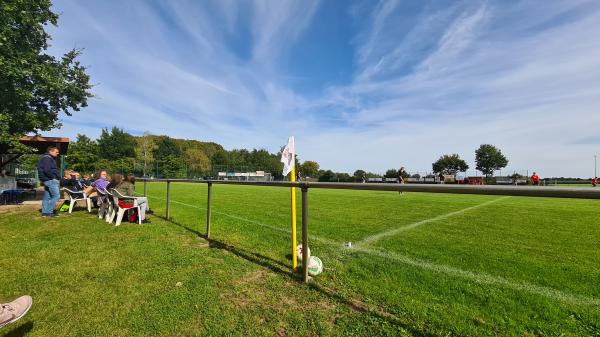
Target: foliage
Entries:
(309, 169)
(359, 175)
(144, 152)
(82, 155)
(450, 164)
(391, 173)
(489, 159)
(29, 162)
(34, 86)
(116, 144)
(327, 176)
(197, 161)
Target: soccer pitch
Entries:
(434, 263)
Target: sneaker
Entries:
(44, 215)
(13, 311)
(150, 211)
(54, 215)
(146, 221)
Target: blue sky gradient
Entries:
(361, 84)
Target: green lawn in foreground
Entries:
(512, 266)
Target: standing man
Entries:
(594, 181)
(48, 174)
(535, 180)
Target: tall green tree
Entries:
(144, 152)
(34, 86)
(327, 176)
(197, 162)
(391, 173)
(359, 175)
(169, 158)
(309, 169)
(449, 164)
(489, 159)
(83, 154)
(116, 144)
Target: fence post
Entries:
(208, 210)
(305, 234)
(168, 199)
(145, 187)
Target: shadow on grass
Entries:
(20, 331)
(282, 269)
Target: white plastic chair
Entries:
(75, 196)
(120, 207)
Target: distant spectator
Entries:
(535, 180)
(594, 181)
(48, 175)
(401, 174)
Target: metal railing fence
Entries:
(526, 191)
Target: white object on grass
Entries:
(299, 252)
(315, 266)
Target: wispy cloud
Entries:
(427, 78)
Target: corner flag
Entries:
(288, 158)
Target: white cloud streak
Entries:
(425, 82)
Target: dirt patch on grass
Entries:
(16, 209)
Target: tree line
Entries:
(162, 156)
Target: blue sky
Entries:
(361, 84)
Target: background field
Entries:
(421, 264)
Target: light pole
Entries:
(595, 174)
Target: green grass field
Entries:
(421, 264)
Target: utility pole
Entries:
(595, 165)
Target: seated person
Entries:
(141, 200)
(99, 184)
(85, 181)
(126, 188)
(70, 182)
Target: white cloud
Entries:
(438, 80)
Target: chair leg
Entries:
(102, 211)
(120, 216)
(139, 216)
(111, 214)
(89, 204)
(71, 204)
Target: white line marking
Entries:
(486, 279)
(376, 237)
(482, 278)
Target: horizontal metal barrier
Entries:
(526, 191)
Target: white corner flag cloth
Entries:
(288, 156)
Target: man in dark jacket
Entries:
(48, 174)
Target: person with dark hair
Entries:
(48, 175)
(535, 179)
(401, 174)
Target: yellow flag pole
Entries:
(293, 189)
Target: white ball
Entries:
(299, 252)
(315, 266)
